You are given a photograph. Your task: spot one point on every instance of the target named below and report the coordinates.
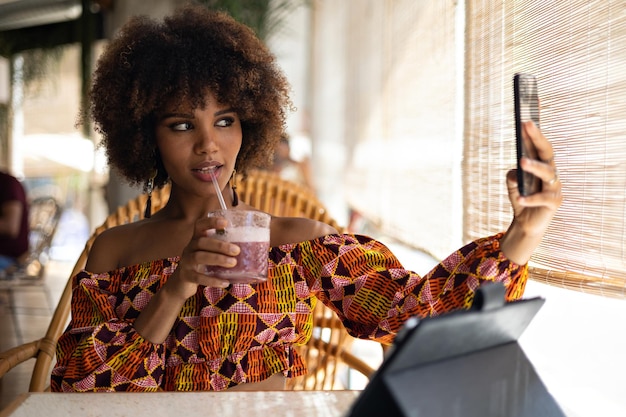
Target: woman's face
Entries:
(196, 144)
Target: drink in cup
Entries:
(250, 230)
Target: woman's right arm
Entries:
(98, 341)
(157, 318)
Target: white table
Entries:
(188, 404)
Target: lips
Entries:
(206, 171)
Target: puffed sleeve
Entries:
(366, 285)
(100, 350)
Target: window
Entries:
(576, 50)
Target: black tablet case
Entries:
(467, 363)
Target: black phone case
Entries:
(526, 100)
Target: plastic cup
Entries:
(250, 230)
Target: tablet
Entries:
(466, 363)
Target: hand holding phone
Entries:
(526, 100)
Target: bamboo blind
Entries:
(577, 50)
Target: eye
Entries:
(225, 122)
(181, 126)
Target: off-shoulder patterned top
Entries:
(246, 333)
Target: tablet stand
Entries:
(467, 363)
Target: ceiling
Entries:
(18, 14)
(30, 24)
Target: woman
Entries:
(199, 95)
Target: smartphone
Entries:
(526, 99)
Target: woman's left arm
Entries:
(373, 295)
(532, 214)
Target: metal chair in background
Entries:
(44, 215)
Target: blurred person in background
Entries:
(290, 169)
(13, 222)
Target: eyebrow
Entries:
(217, 113)
(225, 111)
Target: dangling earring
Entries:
(149, 188)
(233, 185)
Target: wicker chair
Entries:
(326, 352)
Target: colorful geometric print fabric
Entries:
(246, 333)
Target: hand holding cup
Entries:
(250, 230)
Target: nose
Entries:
(205, 142)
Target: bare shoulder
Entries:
(108, 248)
(297, 229)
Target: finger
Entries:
(187, 277)
(554, 180)
(192, 269)
(205, 224)
(511, 182)
(205, 253)
(544, 170)
(513, 191)
(541, 143)
(549, 199)
(206, 278)
(207, 250)
(226, 258)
